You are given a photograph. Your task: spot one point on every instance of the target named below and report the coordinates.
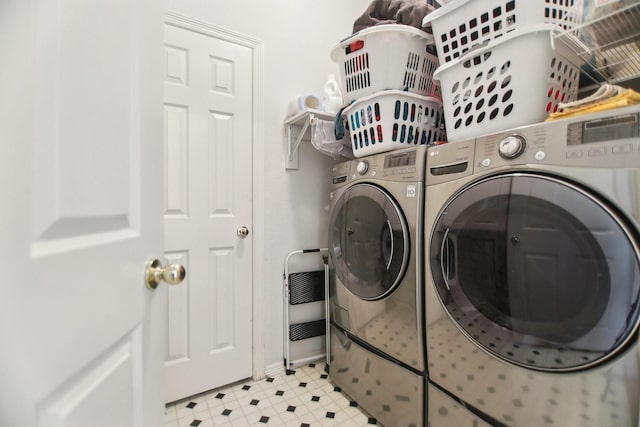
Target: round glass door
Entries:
(368, 241)
(537, 271)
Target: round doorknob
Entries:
(154, 273)
(243, 231)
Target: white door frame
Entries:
(257, 156)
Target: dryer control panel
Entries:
(606, 139)
(450, 161)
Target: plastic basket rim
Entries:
(444, 10)
(520, 32)
(391, 92)
(399, 28)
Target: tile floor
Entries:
(305, 398)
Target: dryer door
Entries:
(368, 241)
(537, 271)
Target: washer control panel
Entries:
(407, 164)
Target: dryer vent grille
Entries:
(306, 287)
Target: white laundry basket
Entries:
(512, 81)
(462, 24)
(394, 119)
(386, 57)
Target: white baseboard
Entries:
(274, 370)
(278, 368)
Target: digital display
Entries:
(606, 129)
(401, 159)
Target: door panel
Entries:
(82, 121)
(368, 241)
(83, 398)
(208, 134)
(177, 313)
(538, 271)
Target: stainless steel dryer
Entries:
(533, 274)
(377, 320)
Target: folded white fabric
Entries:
(626, 98)
(603, 93)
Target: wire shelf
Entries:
(610, 40)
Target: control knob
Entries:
(363, 167)
(512, 146)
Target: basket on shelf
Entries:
(386, 57)
(462, 24)
(513, 81)
(394, 119)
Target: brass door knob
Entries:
(243, 231)
(154, 273)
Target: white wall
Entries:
(298, 36)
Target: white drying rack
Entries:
(611, 42)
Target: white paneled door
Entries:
(81, 191)
(208, 145)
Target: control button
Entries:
(512, 146)
(363, 167)
(598, 151)
(574, 154)
(373, 173)
(486, 162)
(412, 170)
(540, 155)
(622, 149)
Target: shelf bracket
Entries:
(300, 127)
(295, 140)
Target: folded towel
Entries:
(609, 98)
(605, 91)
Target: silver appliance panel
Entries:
(598, 154)
(445, 411)
(393, 395)
(364, 231)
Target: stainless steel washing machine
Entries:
(533, 274)
(376, 248)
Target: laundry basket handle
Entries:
(474, 51)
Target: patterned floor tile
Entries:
(306, 398)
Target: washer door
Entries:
(537, 271)
(368, 241)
